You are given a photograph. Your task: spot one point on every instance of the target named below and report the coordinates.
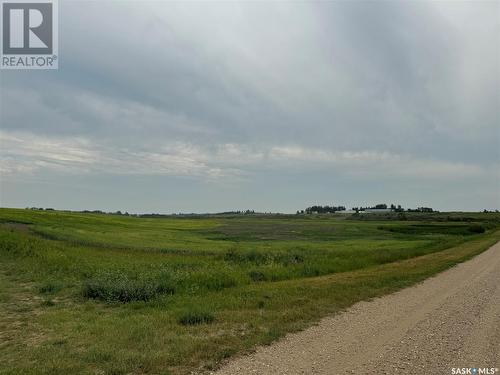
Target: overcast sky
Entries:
(213, 106)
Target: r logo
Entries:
(27, 28)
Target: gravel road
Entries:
(447, 322)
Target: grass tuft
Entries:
(47, 303)
(195, 316)
(119, 287)
(50, 287)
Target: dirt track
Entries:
(448, 321)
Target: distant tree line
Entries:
(323, 209)
(318, 209)
(420, 209)
(238, 212)
(380, 206)
(150, 215)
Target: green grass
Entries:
(89, 293)
(196, 315)
(119, 287)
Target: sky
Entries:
(273, 106)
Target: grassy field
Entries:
(109, 294)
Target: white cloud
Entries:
(25, 153)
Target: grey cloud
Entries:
(242, 81)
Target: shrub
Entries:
(118, 287)
(196, 315)
(256, 275)
(476, 228)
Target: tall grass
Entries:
(195, 315)
(120, 287)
